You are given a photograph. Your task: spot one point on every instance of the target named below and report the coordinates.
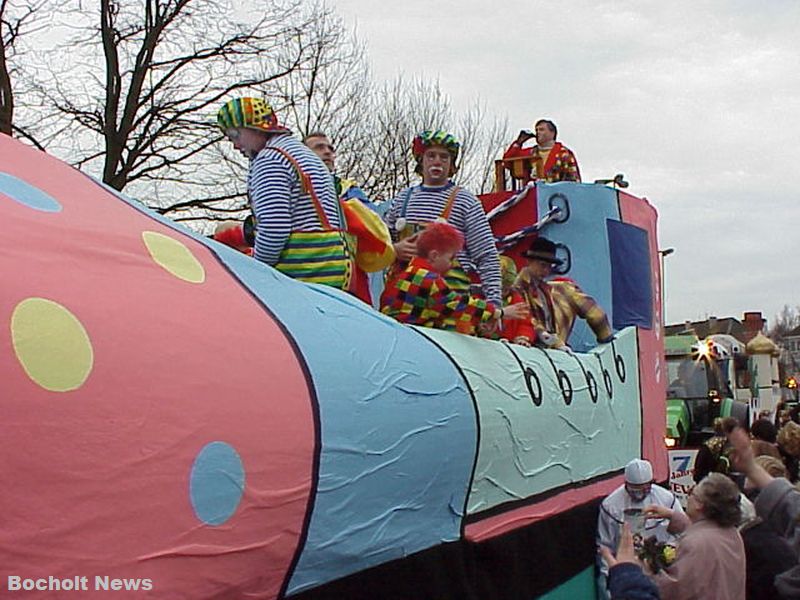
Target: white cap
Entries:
(638, 471)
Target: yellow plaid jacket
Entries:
(555, 305)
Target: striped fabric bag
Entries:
(318, 257)
(324, 257)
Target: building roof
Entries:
(703, 329)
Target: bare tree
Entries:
(330, 90)
(136, 96)
(137, 84)
(485, 137)
(405, 107)
(785, 321)
(17, 20)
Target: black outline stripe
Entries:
(524, 370)
(477, 424)
(511, 505)
(594, 397)
(312, 392)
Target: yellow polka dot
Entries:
(174, 257)
(51, 344)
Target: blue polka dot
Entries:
(24, 193)
(216, 484)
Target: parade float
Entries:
(181, 421)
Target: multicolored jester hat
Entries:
(181, 421)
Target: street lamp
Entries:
(662, 254)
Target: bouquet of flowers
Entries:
(656, 555)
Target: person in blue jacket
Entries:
(626, 580)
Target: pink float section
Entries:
(652, 373)
(97, 479)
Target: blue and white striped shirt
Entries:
(479, 255)
(279, 204)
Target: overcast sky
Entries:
(697, 103)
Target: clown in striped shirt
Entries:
(278, 202)
(298, 218)
(439, 198)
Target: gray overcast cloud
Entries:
(698, 103)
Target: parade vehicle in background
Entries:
(701, 375)
(718, 376)
(193, 424)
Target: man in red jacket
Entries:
(548, 160)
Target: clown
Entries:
(291, 195)
(556, 303)
(549, 160)
(438, 198)
(420, 296)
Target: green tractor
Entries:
(700, 373)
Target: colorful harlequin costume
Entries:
(555, 304)
(298, 219)
(416, 206)
(513, 329)
(420, 296)
(556, 164)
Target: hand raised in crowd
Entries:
(625, 551)
(743, 458)
(516, 311)
(678, 521)
(406, 249)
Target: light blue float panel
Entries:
(385, 488)
(585, 234)
(554, 438)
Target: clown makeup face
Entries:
(437, 166)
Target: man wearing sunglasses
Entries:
(633, 501)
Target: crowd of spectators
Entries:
(737, 543)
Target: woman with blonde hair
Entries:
(789, 447)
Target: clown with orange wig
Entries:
(419, 295)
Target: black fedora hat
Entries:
(543, 249)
